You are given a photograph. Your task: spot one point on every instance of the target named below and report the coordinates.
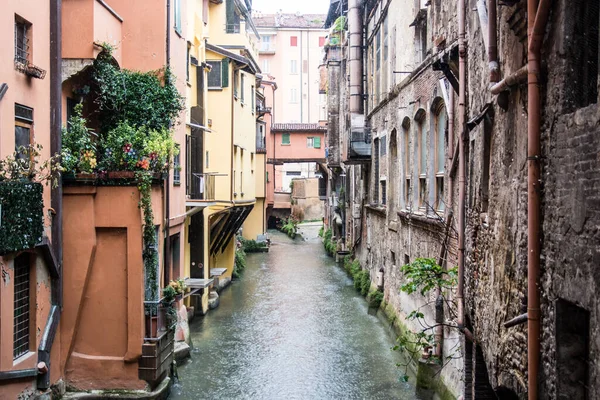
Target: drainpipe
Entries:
(167, 259)
(462, 53)
(537, 17)
(232, 176)
(513, 79)
(450, 151)
(56, 201)
(492, 42)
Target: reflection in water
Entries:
(292, 328)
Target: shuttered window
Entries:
(285, 138)
(317, 142)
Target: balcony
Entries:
(359, 145)
(202, 186)
(282, 200)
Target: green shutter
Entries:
(285, 138)
(317, 142)
(225, 72)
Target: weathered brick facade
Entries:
(387, 234)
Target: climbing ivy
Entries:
(150, 253)
(148, 99)
(22, 221)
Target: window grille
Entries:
(383, 193)
(21, 42)
(23, 113)
(21, 306)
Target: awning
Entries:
(200, 127)
(224, 229)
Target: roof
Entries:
(297, 127)
(282, 20)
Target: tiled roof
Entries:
(281, 20)
(295, 127)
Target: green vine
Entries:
(424, 275)
(150, 252)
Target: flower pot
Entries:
(121, 175)
(84, 176)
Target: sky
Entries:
(291, 6)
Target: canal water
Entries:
(293, 327)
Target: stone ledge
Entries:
(161, 392)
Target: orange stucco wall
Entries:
(34, 93)
(297, 148)
(103, 316)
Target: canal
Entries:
(293, 327)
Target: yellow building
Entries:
(220, 154)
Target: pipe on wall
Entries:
(513, 79)
(493, 41)
(355, 33)
(537, 18)
(462, 53)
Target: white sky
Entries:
(291, 6)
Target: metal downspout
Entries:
(493, 41)
(167, 257)
(537, 17)
(462, 52)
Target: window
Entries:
(382, 183)
(293, 95)
(385, 62)
(422, 145)
(377, 67)
(382, 145)
(582, 26)
(440, 154)
(285, 138)
(293, 41)
(236, 83)
(177, 12)
(266, 66)
(310, 142)
(22, 39)
(242, 88)
(407, 164)
(218, 77)
(376, 171)
(293, 67)
(321, 41)
(393, 175)
(317, 142)
(21, 305)
(265, 43)
(23, 129)
(293, 173)
(177, 166)
(233, 18)
(187, 64)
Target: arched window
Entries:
(421, 135)
(406, 165)
(392, 189)
(440, 123)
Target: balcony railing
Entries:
(203, 187)
(261, 145)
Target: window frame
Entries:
(216, 67)
(22, 47)
(289, 139)
(177, 16)
(29, 324)
(310, 140)
(177, 165)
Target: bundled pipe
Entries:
(355, 35)
(515, 78)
